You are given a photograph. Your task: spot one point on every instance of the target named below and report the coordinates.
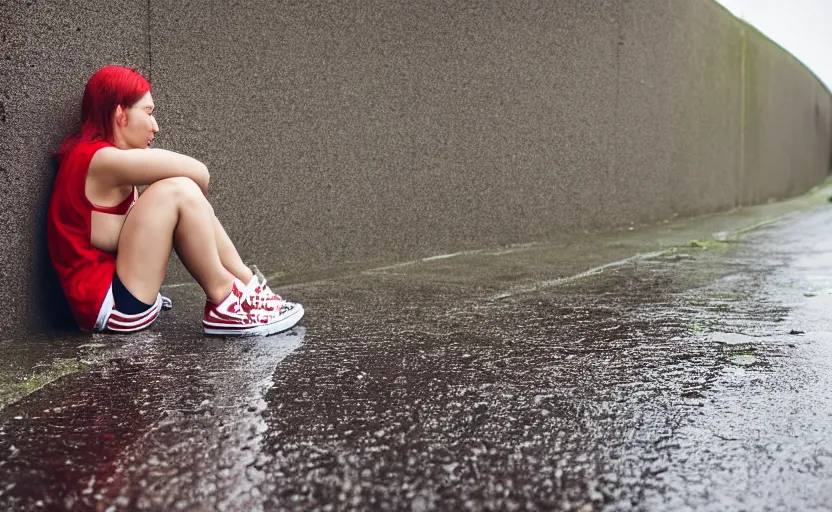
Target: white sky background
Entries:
(803, 27)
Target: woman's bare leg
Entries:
(228, 254)
(171, 213)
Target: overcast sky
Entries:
(800, 26)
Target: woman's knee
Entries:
(175, 191)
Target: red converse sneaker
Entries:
(269, 301)
(240, 315)
(120, 322)
(262, 297)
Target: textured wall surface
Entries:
(48, 50)
(373, 130)
(339, 132)
(788, 124)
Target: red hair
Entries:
(107, 88)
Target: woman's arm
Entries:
(117, 167)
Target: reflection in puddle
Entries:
(154, 424)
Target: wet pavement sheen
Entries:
(691, 379)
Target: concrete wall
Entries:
(376, 130)
(48, 50)
(787, 124)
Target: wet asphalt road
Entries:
(671, 381)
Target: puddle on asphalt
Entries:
(743, 360)
(149, 419)
(565, 396)
(651, 385)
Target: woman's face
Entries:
(136, 126)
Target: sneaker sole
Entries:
(284, 324)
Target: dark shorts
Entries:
(124, 301)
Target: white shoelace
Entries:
(248, 292)
(258, 301)
(268, 292)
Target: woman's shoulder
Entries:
(93, 145)
(84, 151)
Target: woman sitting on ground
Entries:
(111, 246)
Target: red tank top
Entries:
(85, 272)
